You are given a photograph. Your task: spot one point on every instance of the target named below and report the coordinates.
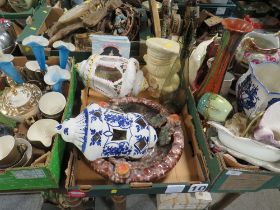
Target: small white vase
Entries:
(162, 66)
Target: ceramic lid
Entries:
(19, 100)
(165, 45)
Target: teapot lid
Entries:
(19, 100)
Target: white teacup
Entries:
(52, 105)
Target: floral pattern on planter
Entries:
(102, 132)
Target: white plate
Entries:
(246, 146)
(267, 165)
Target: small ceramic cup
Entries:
(26, 149)
(51, 105)
(214, 107)
(32, 73)
(10, 152)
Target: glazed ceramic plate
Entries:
(251, 148)
(42, 131)
(267, 165)
(52, 103)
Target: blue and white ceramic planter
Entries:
(100, 132)
(258, 88)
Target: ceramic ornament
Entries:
(55, 76)
(162, 66)
(100, 132)
(37, 43)
(112, 76)
(258, 88)
(8, 67)
(64, 49)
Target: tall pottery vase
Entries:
(234, 30)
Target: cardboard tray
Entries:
(45, 16)
(222, 178)
(47, 174)
(189, 174)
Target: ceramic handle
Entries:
(251, 46)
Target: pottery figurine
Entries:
(214, 107)
(258, 88)
(41, 132)
(112, 76)
(246, 146)
(268, 130)
(100, 132)
(162, 65)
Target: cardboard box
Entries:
(189, 174)
(46, 174)
(222, 178)
(177, 201)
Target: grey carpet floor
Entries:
(263, 200)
